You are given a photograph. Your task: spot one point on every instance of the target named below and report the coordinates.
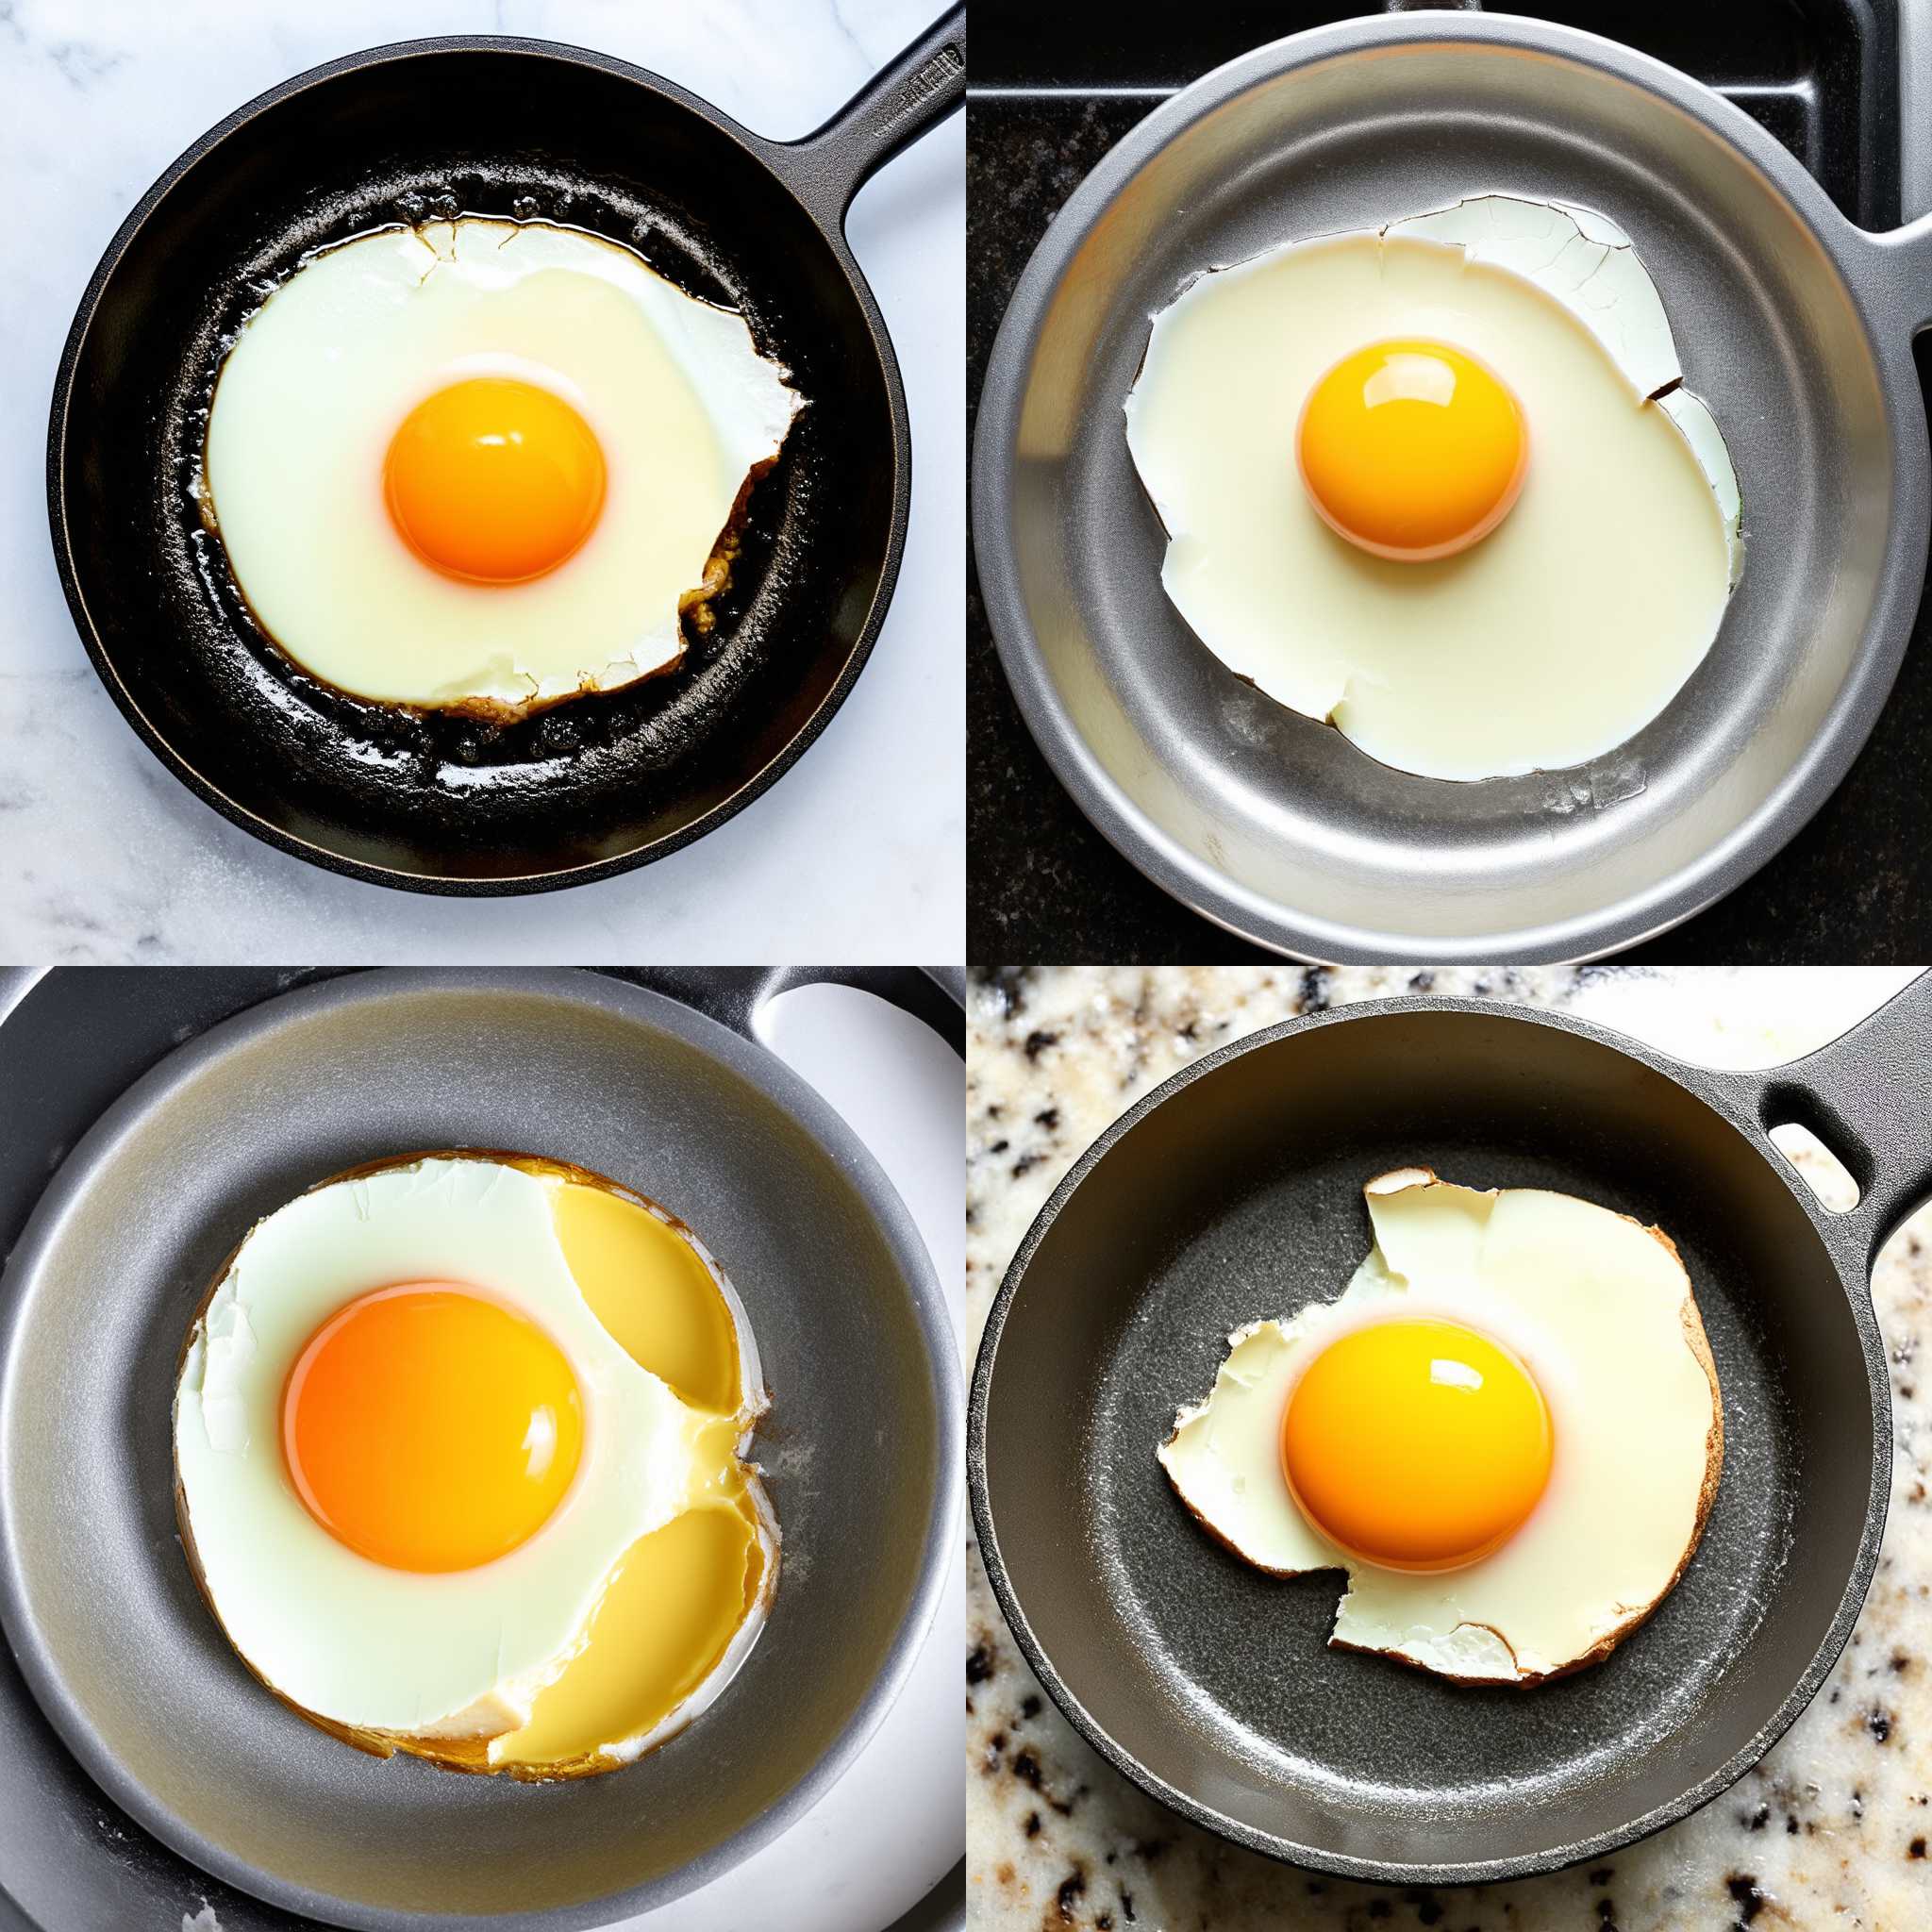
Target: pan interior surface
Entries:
(434, 797)
(120, 1646)
(1238, 1196)
(1276, 825)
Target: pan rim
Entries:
(1807, 782)
(769, 155)
(765, 1072)
(1703, 1084)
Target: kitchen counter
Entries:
(1832, 1829)
(107, 858)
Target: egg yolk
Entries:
(430, 1429)
(1416, 1444)
(494, 481)
(1411, 449)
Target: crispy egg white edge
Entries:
(222, 1344)
(746, 396)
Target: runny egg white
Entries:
(1438, 484)
(460, 1446)
(482, 464)
(1507, 1430)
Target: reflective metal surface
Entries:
(1793, 325)
(862, 1444)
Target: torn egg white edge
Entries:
(221, 1343)
(1481, 1656)
(1580, 260)
(1468, 1652)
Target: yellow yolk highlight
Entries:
(494, 481)
(1411, 449)
(1416, 1444)
(430, 1429)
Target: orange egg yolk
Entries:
(1411, 449)
(494, 481)
(430, 1429)
(1416, 1444)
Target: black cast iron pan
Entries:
(1233, 1191)
(502, 126)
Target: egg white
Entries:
(1554, 639)
(321, 375)
(452, 1656)
(1601, 1311)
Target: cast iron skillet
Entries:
(862, 1443)
(1233, 1191)
(498, 126)
(1795, 325)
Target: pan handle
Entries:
(1901, 260)
(1868, 1096)
(733, 995)
(914, 91)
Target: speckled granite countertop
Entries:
(1833, 1830)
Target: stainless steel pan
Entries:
(1233, 1191)
(96, 1598)
(1795, 326)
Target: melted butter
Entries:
(665, 1622)
(650, 1287)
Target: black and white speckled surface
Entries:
(1833, 1830)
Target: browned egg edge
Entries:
(1707, 1494)
(450, 1754)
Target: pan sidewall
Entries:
(1051, 707)
(316, 843)
(924, 1327)
(1731, 1099)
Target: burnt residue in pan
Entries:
(423, 757)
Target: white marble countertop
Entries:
(106, 856)
(1831, 1830)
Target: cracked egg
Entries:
(1507, 1429)
(484, 466)
(461, 1450)
(1440, 484)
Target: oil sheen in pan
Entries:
(432, 756)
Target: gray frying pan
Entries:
(1796, 327)
(110, 1633)
(1233, 1191)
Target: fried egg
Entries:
(460, 1447)
(1507, 1429)
(1438, 484)
(482, 464)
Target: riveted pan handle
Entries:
(912, 93)
(1868, 1096)
(733, 995)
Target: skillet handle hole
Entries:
(1820, 1169)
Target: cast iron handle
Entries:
(914, 91)
(1868, 1097)
(733, 995)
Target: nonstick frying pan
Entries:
(502, 126)
(112, 1634)
(1795, 325)
(1234, 1191)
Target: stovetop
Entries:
(1051, 93)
